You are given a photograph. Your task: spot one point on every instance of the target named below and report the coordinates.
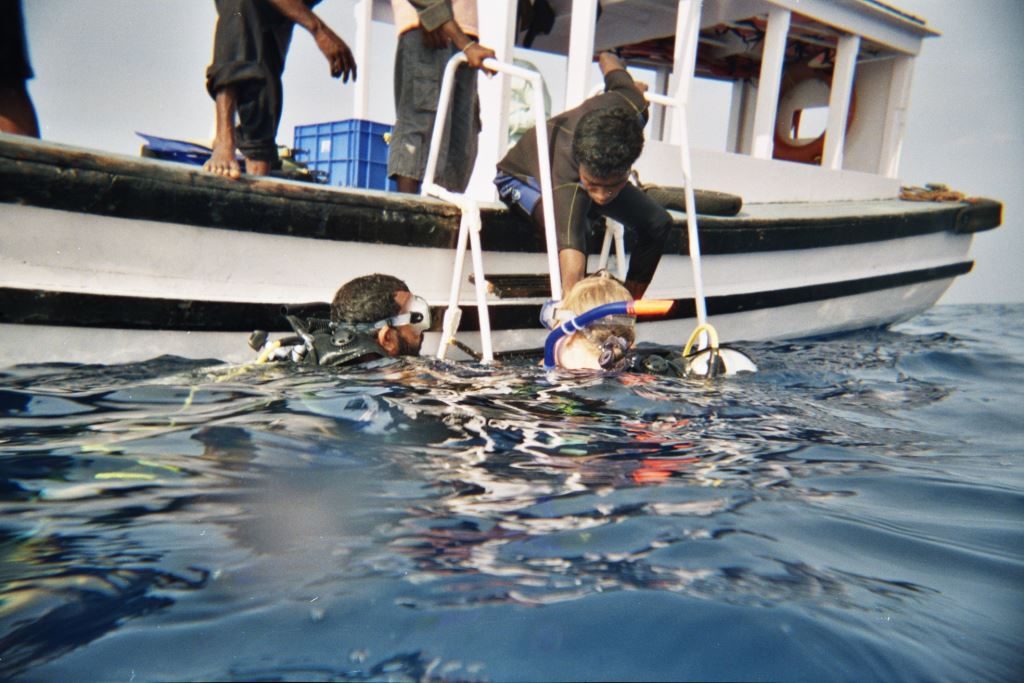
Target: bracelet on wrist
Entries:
(468, 45)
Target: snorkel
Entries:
(643, 307)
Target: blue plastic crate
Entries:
(353, 153)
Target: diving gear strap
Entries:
(320, 342)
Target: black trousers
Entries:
(250, 44)
(15, 68)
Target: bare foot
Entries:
(223, 162)
(254, 167)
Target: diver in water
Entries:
(372, 317)
(602, 344)
(594, 328)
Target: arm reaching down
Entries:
(335, 50)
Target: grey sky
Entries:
(107, 68)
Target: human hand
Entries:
(339, 56)
(608, 61)
(476, 54)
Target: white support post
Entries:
(692, 234)
(736, 109)
(614, 232)
(497, 31)
(688, 27)
(658, 117)
(896, 116)
(684, 56)
(839, 101)
(769, 82)
(583, 27)
(364, 17)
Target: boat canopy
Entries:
(816, 83)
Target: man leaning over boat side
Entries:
(429, 34)
(250, 45)
(593, 148)
(373, 317)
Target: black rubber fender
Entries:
(978, 215)
(708, 202)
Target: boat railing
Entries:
(470, 223)
(693, 239)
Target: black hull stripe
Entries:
(66, 309)
(81, 182)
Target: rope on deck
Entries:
(932, 192)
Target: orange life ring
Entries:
(803, 87)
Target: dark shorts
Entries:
(15, 68)
(417, 81)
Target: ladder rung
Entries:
(515, 286)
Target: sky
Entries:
(107, 68)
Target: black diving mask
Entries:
(418, 316)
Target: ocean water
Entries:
(851, 512)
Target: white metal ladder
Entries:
(679, 103)
(613, 233)
(470, 223)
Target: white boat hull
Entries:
(54, 251)
(123, 260)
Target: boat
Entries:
(109, 258)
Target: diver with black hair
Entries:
(373, 317)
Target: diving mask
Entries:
(418, 316)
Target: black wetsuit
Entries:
(321, 342)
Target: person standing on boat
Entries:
(593, 148)
(429, 33)
(250, 45)
(17, 113)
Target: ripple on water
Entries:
(851, 511)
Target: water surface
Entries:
(851, 512)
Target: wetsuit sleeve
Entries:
(621, 84)
(433, 13)
(571, 206)
(634, 209)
